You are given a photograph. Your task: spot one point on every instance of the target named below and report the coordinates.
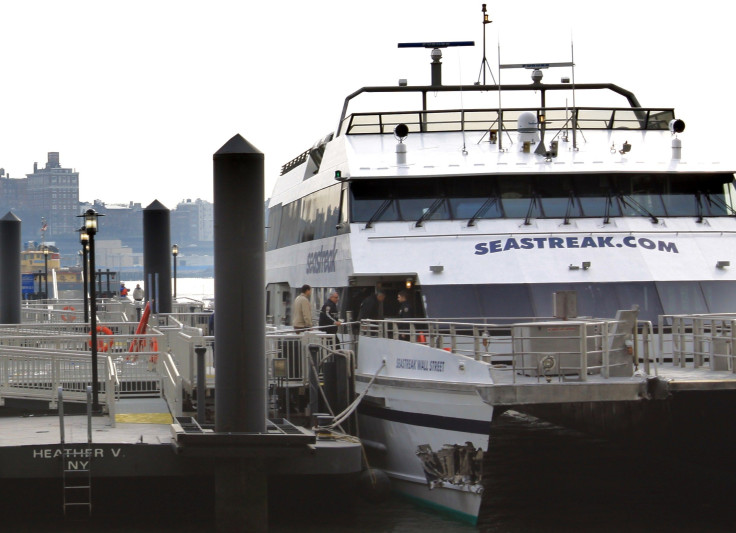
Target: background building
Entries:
(47, 202)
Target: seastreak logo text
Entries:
(322, 261)
(530, 243)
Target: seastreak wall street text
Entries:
(530, 243)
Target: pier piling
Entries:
(240, 380)
(10, 278)
(156, 256)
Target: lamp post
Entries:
(84, 241)
(175, 252)
(45, 250)
(90, 225)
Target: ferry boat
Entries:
(41, 268)
(483, 211)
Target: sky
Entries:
(137, 96)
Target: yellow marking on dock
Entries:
(144, 418)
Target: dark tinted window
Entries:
(313, 217)
(720, 296)
(544, 196)
(274, 225)
(681, 297)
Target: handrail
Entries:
(112, 385)
(699, 338)
(580, 346)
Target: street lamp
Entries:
(45, 250)
(90, 226)
(175, 252)
(84, 241)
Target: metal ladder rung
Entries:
(70, 476)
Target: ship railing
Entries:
(699, 341)
(643, 344)
(29, 374)
(567, 350)
(489, 120)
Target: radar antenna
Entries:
(437, 55)
(484, 62)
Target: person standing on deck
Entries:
(406, 312)
(138, 293)
(302, 319)
(370, 308)
(328, 317)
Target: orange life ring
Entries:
(102, 346)
(68, 317)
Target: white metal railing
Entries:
(159, 362)
(183, 343)
(562, 349)
(30, 374)
(112, 388)
(171, 384)
(703, 340)
(133, 355)
(294, 352)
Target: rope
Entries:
(347, 412)
(350, 409)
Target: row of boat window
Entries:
(324, 213)
(600, 300)
(562, 196)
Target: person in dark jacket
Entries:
(328, 317)
(406, 311)
(370, 308)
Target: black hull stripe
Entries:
(430, 421)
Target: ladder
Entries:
(76, 472)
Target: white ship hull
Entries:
(420, 401)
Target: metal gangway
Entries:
(51, 348)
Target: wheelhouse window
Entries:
(542, 196)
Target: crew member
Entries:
(302, 319)
(123, 290)
(328, 317)
(370, 308)
(406, 311)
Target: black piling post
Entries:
(156, 263)
(240, 380)
(10, 279)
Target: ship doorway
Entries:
(361, 288)
(278, 304)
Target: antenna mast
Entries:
(484, 61)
